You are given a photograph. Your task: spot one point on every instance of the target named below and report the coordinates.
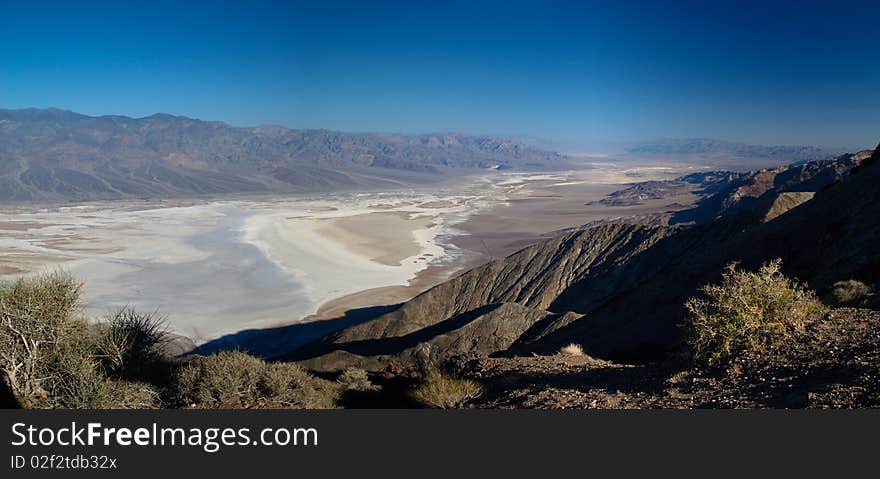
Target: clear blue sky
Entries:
(577, 72)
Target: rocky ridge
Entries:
(618, 289)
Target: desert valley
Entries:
(215, 267)
(242, 239)
(416, 254)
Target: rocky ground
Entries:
(834, 363)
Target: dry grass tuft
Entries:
(444, 392)
(128, 343)
(572, 350)
(747, 312)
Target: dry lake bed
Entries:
(217, 267)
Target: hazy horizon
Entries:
(562, 146)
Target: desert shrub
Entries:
(131, 395)
(233, 379)
(445, 392)
(747, 312)
(128, 343)
(288, 385)
(77, 383)
(49, 356)
(81, 384)
(572, 350)
(355, 378)
(40, 323)
(850, 292)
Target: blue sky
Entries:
(580, 73)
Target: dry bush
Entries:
(445, 392)
(81, 384)
(39, 321)
(288, 385)
(49, 355)
(131, 395)
(355, 378)
(747, 312)
(233, 380)
(850, 292)
(128, 343)
(572, 350)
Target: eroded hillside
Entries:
(618, 289)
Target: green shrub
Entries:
(41, 322)
(233, 379)
(747, 312)
(445, 392)
(128, 343)
(850, 292)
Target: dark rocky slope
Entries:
(623, 285)
(728, 193)
(734, 193)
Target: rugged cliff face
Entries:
(618, 289)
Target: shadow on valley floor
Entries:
(281, 341)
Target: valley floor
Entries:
(215, 268)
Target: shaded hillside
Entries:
(57, 155)
(727, 193)
(740, 192)
(626, 284)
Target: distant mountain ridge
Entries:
(59, 155)
(732, 154)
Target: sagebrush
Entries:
(233, 380)
(850, 292)
(747, 312)
(50, 356)
(40, 334)
(355, 378)
(446, 392)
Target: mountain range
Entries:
(53, 155)
(728, 154)
(58, 155)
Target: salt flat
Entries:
(217, 267)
